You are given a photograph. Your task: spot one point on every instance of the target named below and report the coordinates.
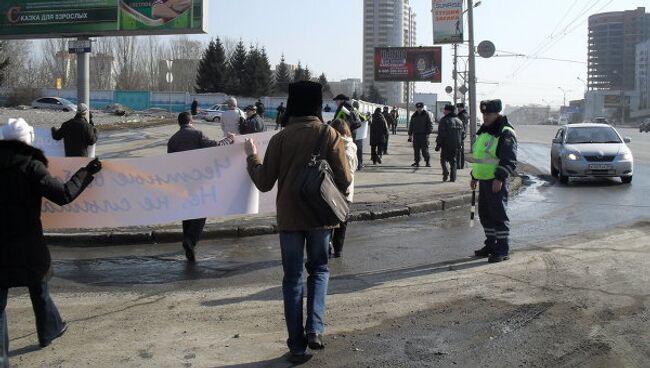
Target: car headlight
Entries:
(627, 156)
(573, 156)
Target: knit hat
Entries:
(305, 99)
(18, 130)
(491, 106)
(82, 107)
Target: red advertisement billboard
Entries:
(408, 64)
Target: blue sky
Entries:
(327, 36)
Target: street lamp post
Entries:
(472, 72)
(455, 74)
(564, 94)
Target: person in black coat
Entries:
(77, 134)
(24, 258)
(378, 134)
(449, 142)
(420, 129)
(195, 107)
(188, 138)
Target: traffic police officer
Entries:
(494, 160)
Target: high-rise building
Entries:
(643, 74)
(386, 23)
(613, 38)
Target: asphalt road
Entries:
(376, 252)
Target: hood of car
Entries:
(597, 149)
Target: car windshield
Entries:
(592, 135)
(65, 102)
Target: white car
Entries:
(213, 113)
(54, 103)
(591, 150)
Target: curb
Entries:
(215, 231)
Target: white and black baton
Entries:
(472, 213)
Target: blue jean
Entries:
(293, 245)
(48, 320)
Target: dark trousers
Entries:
(192, 230)
(359, 144)
(394, 129)
(376, 153)
(385, 146)
(448, 157)
(48, 320)
(494, 219)
(460, 157)
(338, 237)
(421, 145)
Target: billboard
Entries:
(408, 64)
(447, 21)
(70, 18)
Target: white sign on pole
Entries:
(169, 77)
(447, 21)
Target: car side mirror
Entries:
(627, 140)
(557, 140)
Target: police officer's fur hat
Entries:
(342, 97)
(305, 99)
(490, 106)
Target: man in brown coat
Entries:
(287, 154)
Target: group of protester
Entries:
(304, 139)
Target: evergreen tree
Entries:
(211, 76)
(327, 89)
(249, 82)
(237, 69)
(306, 74)
(4, 61)
(299, 73)
(282, 77)
(264, 74)
(375, 96)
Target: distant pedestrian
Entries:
(494, 160)
(449, 141)
(420, 128)
(253, 123)
(186, 139)
(327, 108)
(195, 107)
(378, 135)
(286, 156)
(390, 122)
(464, 117)
(338, 235)
(77, 133)
(259, 106)
(232, 118)
(24, 257)
(278, 118)
(347, 113)
(395, 114)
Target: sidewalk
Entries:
(390, 190)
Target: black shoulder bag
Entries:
(318, 190)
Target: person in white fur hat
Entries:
(24, 257)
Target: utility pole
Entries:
(472, 72)
(83, 74)
(455, 73)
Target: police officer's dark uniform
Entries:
(449, 140)
(494, 158)
(420, 129)
(463, 115)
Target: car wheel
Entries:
(554, 171)
(66, 110)
(216, 119)
(563, 178)
(626, 179)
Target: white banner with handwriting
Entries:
(211, 182)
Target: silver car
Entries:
(54, 103)
(591, 150)
(213, 113)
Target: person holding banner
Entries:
(287, 154)
(77, 134)
(24, 257)
(188, 138)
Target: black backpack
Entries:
(318, 190)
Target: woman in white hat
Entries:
(24, 257)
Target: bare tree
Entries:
(129, 71)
